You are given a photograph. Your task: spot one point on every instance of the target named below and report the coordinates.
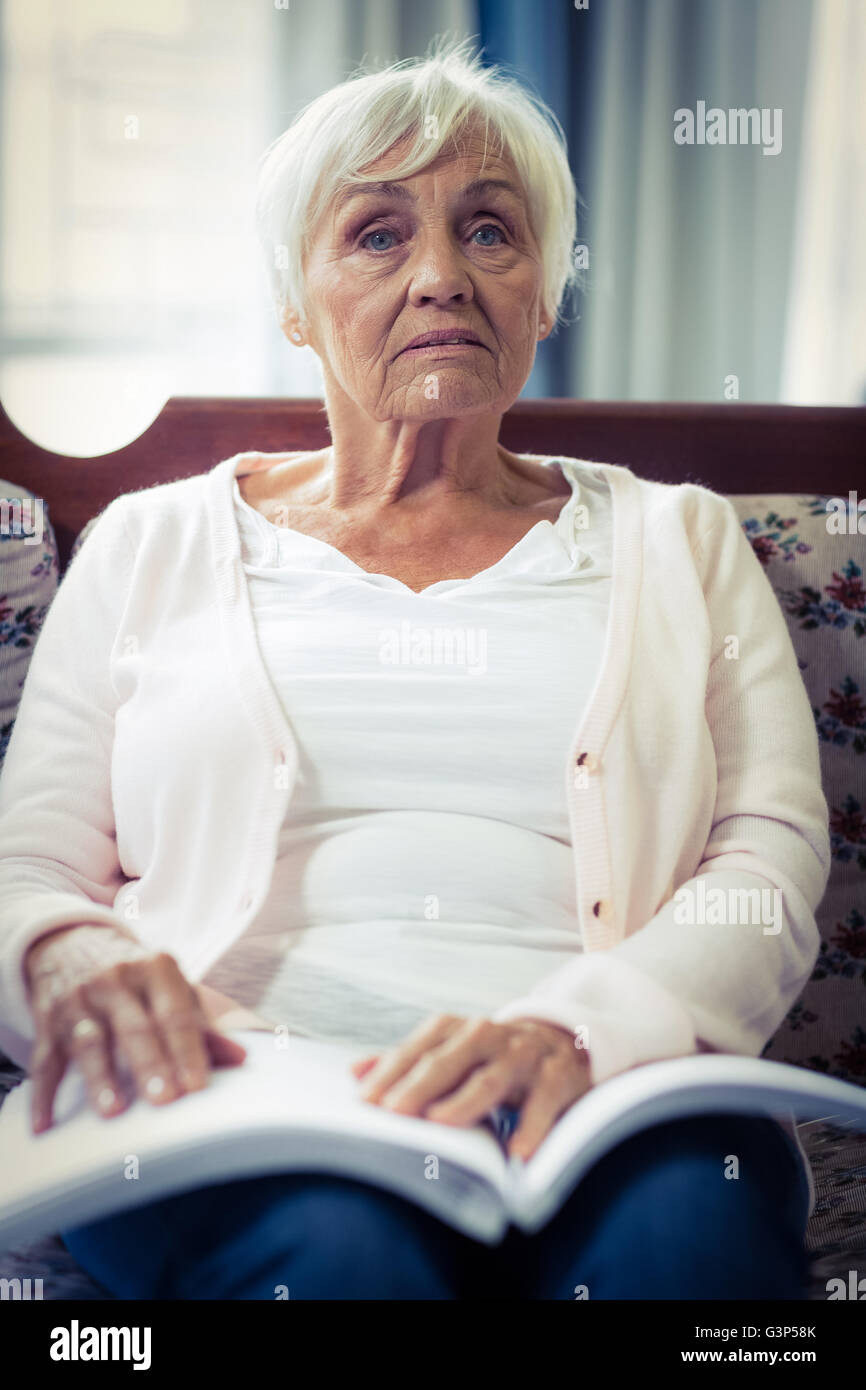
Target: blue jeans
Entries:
(656, 1218)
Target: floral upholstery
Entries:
(817, 574)
(28, 583)
(818, 579)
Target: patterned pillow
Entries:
(28, 582)
(816, 569)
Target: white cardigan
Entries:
(151, 764)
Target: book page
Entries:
(659, 1091)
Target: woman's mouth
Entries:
(441, 349)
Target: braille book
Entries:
(293, 1104)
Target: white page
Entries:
(659, 1091)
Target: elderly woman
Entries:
(419, 743)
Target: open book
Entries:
(293, 1104)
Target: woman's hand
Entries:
(98, 996)
(455, 1070)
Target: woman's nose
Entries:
(439, 271)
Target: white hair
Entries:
(432, 100)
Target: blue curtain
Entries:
(535, 41)
(690, 247)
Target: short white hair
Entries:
(433, 100)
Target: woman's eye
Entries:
(367, 241)
(490, 227)
(380, 231)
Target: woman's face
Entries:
(382, 268)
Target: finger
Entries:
(137, 1038)
(179, 1016)
(363, 1065)
(224, 1051)
(57, 1009)
(437, 1073)
(552, 1094)
(485, 1088)
(394, 1063)
(46, 1068)
(92, 1053)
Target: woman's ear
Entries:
(291, 326)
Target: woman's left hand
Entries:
(456, 1070)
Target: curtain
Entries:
(690, 246)
(129, 142)
(129, 138)
(825, 346)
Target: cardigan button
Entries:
(603, 909)
(589, 761)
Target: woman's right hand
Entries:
(141, 1009)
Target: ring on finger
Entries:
(87, 1028)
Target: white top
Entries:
(424, 863)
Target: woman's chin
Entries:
(444, 393)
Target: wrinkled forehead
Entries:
(467, 147)
(455, 178)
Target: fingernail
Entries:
(156, 1086)
(106, 1098)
